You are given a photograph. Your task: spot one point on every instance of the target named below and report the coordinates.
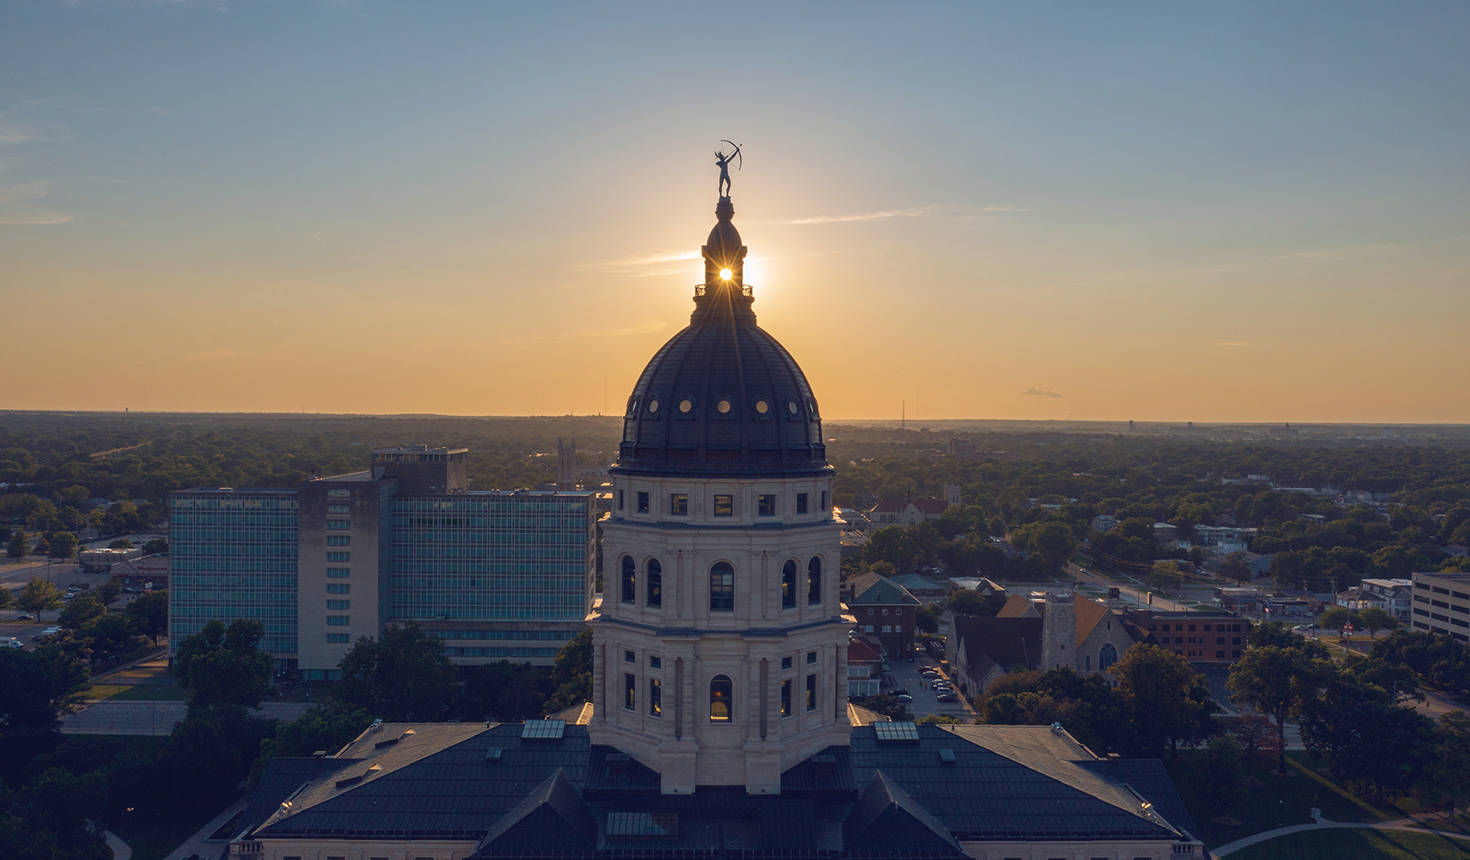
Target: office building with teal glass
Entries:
(497, 575)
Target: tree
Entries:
(109, 591)
(6, 598)
(1166, 699)
(18, 545)
(926, 619)
(893, 544)
(401, 676)
(1278, 681)
(327, 727)
(1217, 773)
(223, 667)
(970, 602)
(63, 545)
(1374, 619)
(1337, 618)
(1235, 567)
(82, 608)
(149, 614)
(111, 635)
(888, 706)
(121, 543)
(1256, 735)
(1447, 779)
(156, 546)
(38, 595)
(1367, 740)
(504, 691)
(572, 673)
(1053, 540)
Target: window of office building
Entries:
(337, 638)
(342, 557)
(811, 692)
(811, 658)
(630, 690)
(642, 503)
(788, 585)
(655, 697)
(339, 509)
(655, 662)
(338, 525)
(722, 587)
(620, 500)
(786, 696)
(724, 506)
(338, 604)
(630, 657)
(785, 662)
(721, 699)
(338, 621)
(814, 581)
(766, 504)
(339, 540)
(338, 588)
(679, 504)
(655, 583)
(801, 503)
(338, 573)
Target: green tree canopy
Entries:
(1374, 619)
(18, 546)
(82, 608)
(572, 673)
(149, 614)
(1279, 682)
(38, 595)
(400, 676)
(224, 666)
(967, 601)
(63, 545)
(1167, 700)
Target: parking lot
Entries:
(907, 676)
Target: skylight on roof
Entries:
(543, 730)
(642, 825)
(896, 731)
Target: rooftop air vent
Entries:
(492, 755)
(543, 730)
(946, 755)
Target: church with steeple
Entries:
(719, 724)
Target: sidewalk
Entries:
(1320, 823)
(120, 849)
(199, 844)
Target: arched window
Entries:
(814, 580)
(655, 583)
(788, 585)
(630, 592)
(721, 699)
(1107, 656)
(722, 587)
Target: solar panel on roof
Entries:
(896, 731)
(543, 730)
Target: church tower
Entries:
(719, 649)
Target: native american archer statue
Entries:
(723, 161)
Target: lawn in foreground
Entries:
(1358, 845)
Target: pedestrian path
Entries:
(155, 718)
(120, 849)
(1320, 823)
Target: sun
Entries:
(725, 274)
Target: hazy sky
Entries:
(1157, 211)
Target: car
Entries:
(948, 697)
(929, 673)
(905, 698)
(24, 616)
(47, 632)
(11, 642)
(899, 692)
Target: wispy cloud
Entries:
(1235, 343)
(37, 218)
(865, 216)
(1350, 251)
(1041, 392)
(651, 265)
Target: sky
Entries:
(1099, 211)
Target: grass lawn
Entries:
(146, 693)
(153, 836)
(1280, 801)
(1359, 845)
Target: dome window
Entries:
(685, 405)
(653, 406)
(762, 407)
(632, 405)
(811, 406)
(792, 407)
(723, 406)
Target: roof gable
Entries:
(886, 820)
(1018, 606)
(883, 592)
(551, 818)
(1007, 641)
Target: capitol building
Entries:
(719, 725)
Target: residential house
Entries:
(906, 512)
(885, 610)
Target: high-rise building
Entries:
(497, 575)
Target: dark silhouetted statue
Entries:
(723, 161)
